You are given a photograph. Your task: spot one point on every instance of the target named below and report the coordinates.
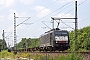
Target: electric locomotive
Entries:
(54, 39)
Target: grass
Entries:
(12, 56)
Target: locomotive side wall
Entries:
(45, 40)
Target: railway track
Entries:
(85, 55)
(60, 52)
(55, 51)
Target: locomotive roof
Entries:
(57, 29)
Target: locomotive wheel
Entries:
(54, 49)
(39, 50)
(50, 49)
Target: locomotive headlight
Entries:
(55, 37)
(56, 42)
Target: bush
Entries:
(72, 56)
(5, 54)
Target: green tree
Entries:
(3, 45)
(83, 39)
(28, 43)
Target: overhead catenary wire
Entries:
(82, 2)
(58, 9)
(70, 11)
(54, 11)
(72, 8)
(44, 8)
(23, 21)
(85, 13)
(61, 8)
(51, 12)
(84, 19)
(40, 11)
(64, 9)
(66, 24)
(37, 13)
(74, 22)
(8, 35)
(45, 24)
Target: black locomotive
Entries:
(54, 39)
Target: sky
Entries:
(39, 13)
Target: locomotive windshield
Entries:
(61, 36)
(61, 33)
